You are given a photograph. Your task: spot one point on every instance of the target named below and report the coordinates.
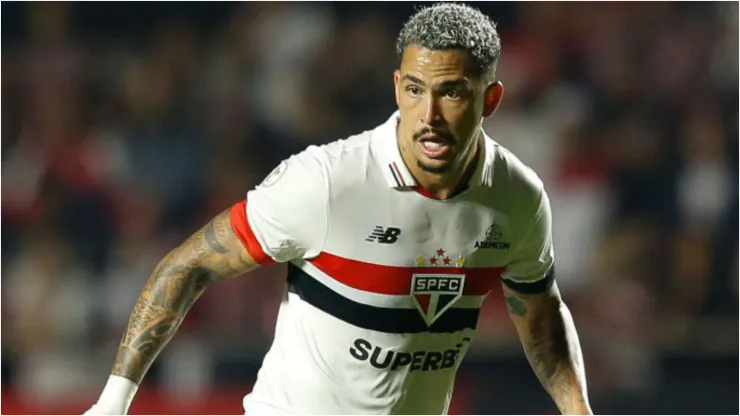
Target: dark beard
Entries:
(434, 170)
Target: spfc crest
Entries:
(435, 293)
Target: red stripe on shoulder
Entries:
(396, 280)
(241, 228)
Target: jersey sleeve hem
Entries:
(531, 287)
(241, 228)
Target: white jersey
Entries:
(385, 284)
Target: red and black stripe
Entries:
(387, 280)
(389, 320)
(396, 280)
(396, 176)
(380, 279)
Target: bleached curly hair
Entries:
(447, 26)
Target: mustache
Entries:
(441, 134)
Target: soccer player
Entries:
(393, 238)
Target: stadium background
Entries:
(125, 126)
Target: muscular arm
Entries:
(211, 254)
(550, 342)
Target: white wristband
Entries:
(118, 393)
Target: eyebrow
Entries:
(414, 80)
(445, 84)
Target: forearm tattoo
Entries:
(554, 357)
(516, 305)
(211, 254)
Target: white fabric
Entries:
(326, 203)
(116, 397)
(288, 211)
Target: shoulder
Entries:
(528, 205)
(318, 164)
(350, 163)
(343, 164)
(345, 153)
(519, 184)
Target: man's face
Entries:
(441, 104)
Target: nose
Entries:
(432, 116)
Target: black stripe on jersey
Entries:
(531, 288)
(398, 182)
(374, 318)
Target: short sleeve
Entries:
(285, 217)
(531, 269)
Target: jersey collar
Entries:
(385, 144)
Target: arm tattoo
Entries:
(212, 239)
(545, 349)
(211, 254)
(515, 305)
(555, 357)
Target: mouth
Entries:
(433, 146)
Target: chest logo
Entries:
(493, 239)
(435, 293)
(387, 235)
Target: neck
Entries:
(447, 184)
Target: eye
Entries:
(413, 90)
(453, 94)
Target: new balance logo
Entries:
(384, 235)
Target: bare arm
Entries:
(550, 342)
(211, 254)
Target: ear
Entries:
(396, 82)
(494, 94)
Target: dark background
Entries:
(125, 126)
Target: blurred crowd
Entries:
(126, 126)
